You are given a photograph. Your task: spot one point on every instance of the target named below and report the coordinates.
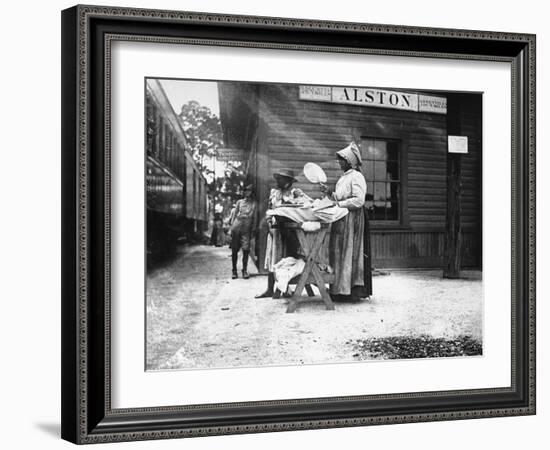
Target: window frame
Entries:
(402, 221)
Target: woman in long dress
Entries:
(217, 238)
(349, 245)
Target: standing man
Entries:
(242, 227)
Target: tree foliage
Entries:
(203, 132)
(204, 137)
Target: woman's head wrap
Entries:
(351, 154)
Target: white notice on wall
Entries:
(458, 144)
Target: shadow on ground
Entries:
(52, 429)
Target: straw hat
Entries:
(285, 173)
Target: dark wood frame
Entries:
(87, 32)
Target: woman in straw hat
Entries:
(280, 242)
(349, 247)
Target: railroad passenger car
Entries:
(176, 189)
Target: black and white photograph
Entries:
(295, 224)
(275, 225)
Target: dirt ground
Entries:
(198, 317)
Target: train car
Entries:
(176, 189)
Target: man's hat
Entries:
(286, 173)
(249, 187)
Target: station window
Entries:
(381, 169)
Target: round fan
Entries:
(314, 173)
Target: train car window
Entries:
(167, 137)
(160, 138)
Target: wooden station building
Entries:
(403, 137)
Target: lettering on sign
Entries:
(319, 93)
(230, 154)
(380, 98)
(429, 103)
(458, 144)
(375, 97)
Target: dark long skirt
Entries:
(218, 236)
(350, 257)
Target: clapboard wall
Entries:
(295, 131)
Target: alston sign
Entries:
(380, 98)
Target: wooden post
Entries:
(262, 178)
(453, 241)
(453, 235)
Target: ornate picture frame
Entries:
(88, 33)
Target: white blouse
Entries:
(350, 190)
(278, 197)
